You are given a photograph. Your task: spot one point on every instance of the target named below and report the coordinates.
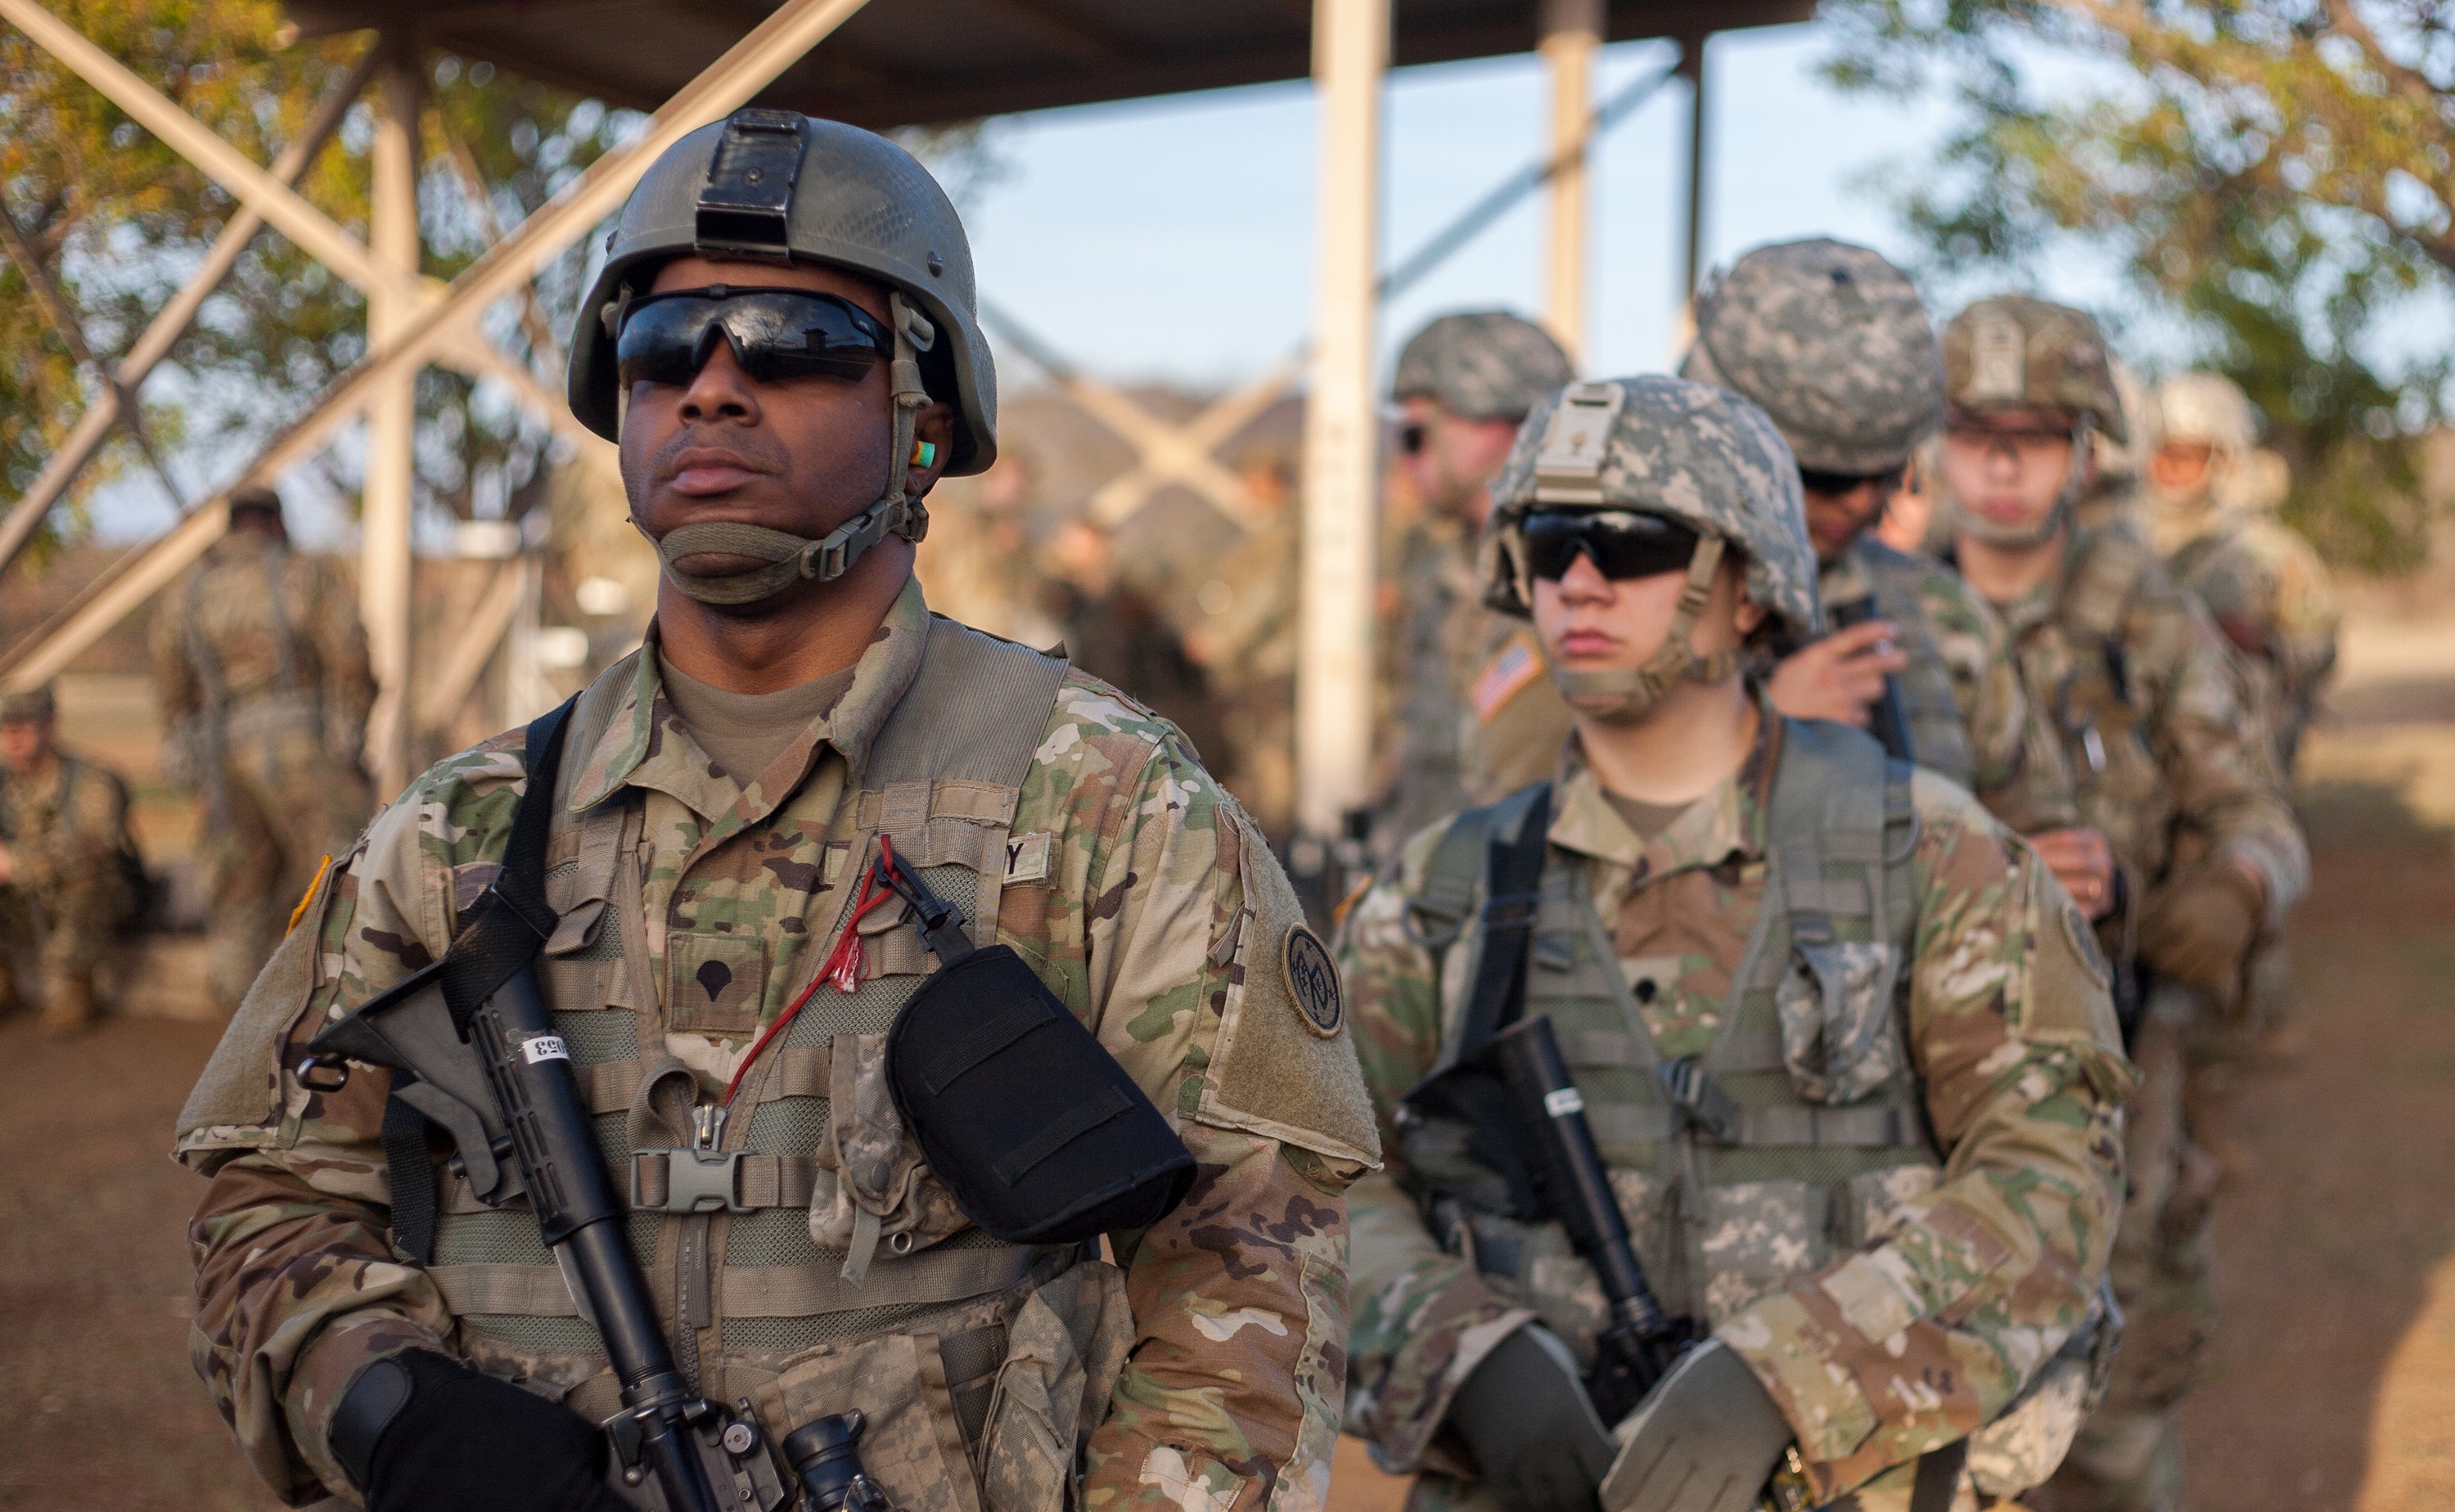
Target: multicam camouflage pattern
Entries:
(1696, 454)
(1929, 1298)
(2169, 765)
(2016, 765)
(2015, 353)
(1482, 365)
(1479, 716)
(1830, 341)
(67, 900)
(260, 654)
(2276, 601)
(1145, 906)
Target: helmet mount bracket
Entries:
(745, 211)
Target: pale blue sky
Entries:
(1172, 238)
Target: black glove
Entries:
(421, 1433)
(1705, 1440)
(1528, 1426)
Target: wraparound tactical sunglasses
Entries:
(775, 333)
(1621, 543)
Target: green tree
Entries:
(2281, 173)
(120, 219)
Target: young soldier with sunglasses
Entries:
(750, 819)
(1832, 342)
(2202, 853)
(1845, 1046)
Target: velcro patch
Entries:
(1027, 857)
(1312, 981)
(1504, 677)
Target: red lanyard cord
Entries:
(843, 965)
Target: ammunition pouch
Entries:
(1038, 1132)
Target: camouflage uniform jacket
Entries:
(227, 637)
(1144, 902)
(2015, 763)
(74, 822)
(2168, 762)
(2272, 597)
(1929, 1317)
(1479, 717)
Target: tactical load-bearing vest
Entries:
(1938, 735)
(1794, 1141)
(804, 1261)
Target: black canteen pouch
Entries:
(1035, 1129)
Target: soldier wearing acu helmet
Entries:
(1845, 1048)
(748, 820)
(2269, 592)
(1476, 717)
(2195, 853)
(1830, 341)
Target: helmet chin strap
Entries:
(1621, 694)
(2067, 507)
(796, 558)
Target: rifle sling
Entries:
(507, 929)
(1513, 879)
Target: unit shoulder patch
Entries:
(1312, 981)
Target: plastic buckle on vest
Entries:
(1511, 910)
(1711, 1111)
(695, 1182)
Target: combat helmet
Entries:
(2207, 407)
(1830, 341)
(1482, 365)
(2013, 353)
(776, 186)
(1657, 445)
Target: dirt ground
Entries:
(2331, 1387)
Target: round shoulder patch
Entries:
(1312, 981)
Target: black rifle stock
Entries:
(1886, 720)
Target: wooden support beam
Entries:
(1572, 34)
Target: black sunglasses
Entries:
(1411, 437)
(775, 333)
(1621, 544)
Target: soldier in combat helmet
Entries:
(1476, 717)
(2201, 857)
(2268, 591)
(1830, 341)
(786, 387)
(260, 666)
(1846, 1048)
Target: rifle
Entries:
(473, 1048)
(1886, 720)
(1530, 1123)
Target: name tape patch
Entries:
(1563, 1102)
(1312, 981)
(544, 1047)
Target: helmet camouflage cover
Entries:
(2015, 353)
(1830, 341)
(848, 198)
(1482, 365)
(2205, 407)
(1692, 453)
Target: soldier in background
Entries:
(2200, 854)
(979, 565)
(1830, 340)
(1114, 631)
(1476, 717)
(2211, 493)
(70, 881)
(1247, 642)
(261, 667)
